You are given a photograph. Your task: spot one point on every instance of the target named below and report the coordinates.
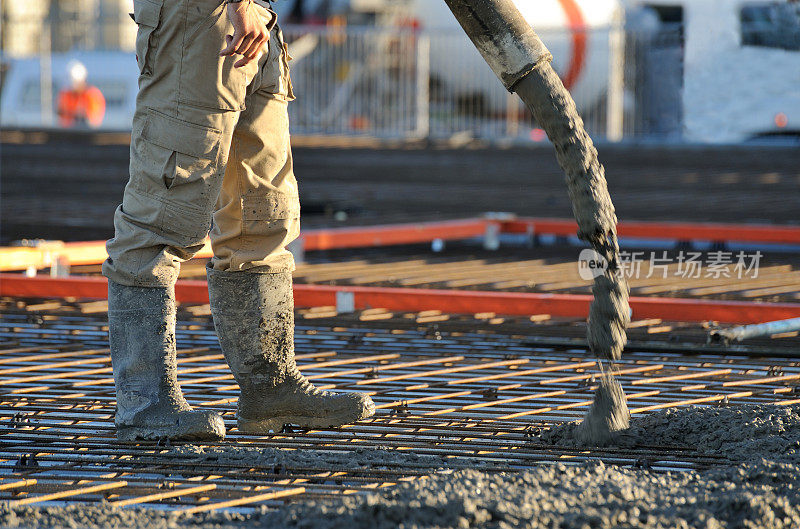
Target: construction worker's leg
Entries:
(186, 110)
(249, 279)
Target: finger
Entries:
(245, 44)
(253, 53)
(233, 43)
(249, 57)
(245, 60)
(262, 49)
(255, 49)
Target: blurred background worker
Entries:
(80, 104)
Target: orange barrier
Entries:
(47, 254)
(15, 258)
(93, 252)
(393, 234)
(679, 231)
(448, 301)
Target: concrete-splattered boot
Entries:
(254, 318)
(150, 405)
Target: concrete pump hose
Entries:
(522, 62)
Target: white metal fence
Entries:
(383, 83)
(400, 83)
(404, 83)
(358, 81)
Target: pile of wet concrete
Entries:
(756, 484)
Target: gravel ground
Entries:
(760, 495)
(740, 433)
(758, 488)
(359, 458)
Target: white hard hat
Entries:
(77, 71)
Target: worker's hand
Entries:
(250, 34)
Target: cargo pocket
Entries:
(287, 77)
(272, 207)
(275, 78)
(275, 214)
(211, 81)
(146, 14)
(188, 178)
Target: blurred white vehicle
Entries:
(741, 69)
(575, 31)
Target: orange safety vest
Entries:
(81, 106)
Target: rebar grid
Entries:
(451, 392)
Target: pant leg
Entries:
(188, 104)
(258, 211)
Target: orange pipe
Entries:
(449, 301)
(391, 234)
(93, 252)
(577, 26)
(681, 231)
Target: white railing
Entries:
(399, 83)
(402, 84)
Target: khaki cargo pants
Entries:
(208, 141)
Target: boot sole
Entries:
(140, 433)
(275, 424)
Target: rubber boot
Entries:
(149, 401)
(254, 317)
